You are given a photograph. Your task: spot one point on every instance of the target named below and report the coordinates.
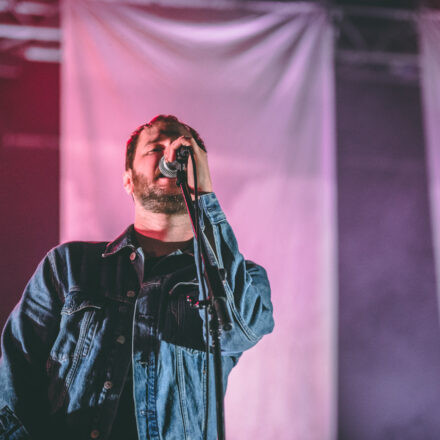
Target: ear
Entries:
(127, 181)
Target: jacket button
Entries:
(94, 434)
(131, 293)
(133, 256)
(108, 385)
(120, 339)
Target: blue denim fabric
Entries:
(88, 313)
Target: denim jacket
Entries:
(89, 317)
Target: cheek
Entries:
(147, 163)
(142, 178)
(143, 169)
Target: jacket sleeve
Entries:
(246, 284)
(25, 345)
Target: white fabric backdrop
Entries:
(429, 30)
(256, 80)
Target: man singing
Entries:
(103, 343)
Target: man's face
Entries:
(154, 192)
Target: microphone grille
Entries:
(168, 169)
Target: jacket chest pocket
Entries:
(79, 320)
(183, 324)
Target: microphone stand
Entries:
(217, 305)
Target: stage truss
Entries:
(374, 39)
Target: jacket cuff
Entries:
(10, 426)
(209, 204)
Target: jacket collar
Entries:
(126, 239)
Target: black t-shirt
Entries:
(124, 426)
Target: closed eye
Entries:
(155, 150)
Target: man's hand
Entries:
(204, 182)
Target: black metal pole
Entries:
(218, 374)
(218, 308)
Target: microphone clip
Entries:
(182, 154)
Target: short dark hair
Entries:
(132, 142)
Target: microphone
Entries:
(170, 169)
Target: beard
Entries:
(155, 199)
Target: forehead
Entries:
(162, 130)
